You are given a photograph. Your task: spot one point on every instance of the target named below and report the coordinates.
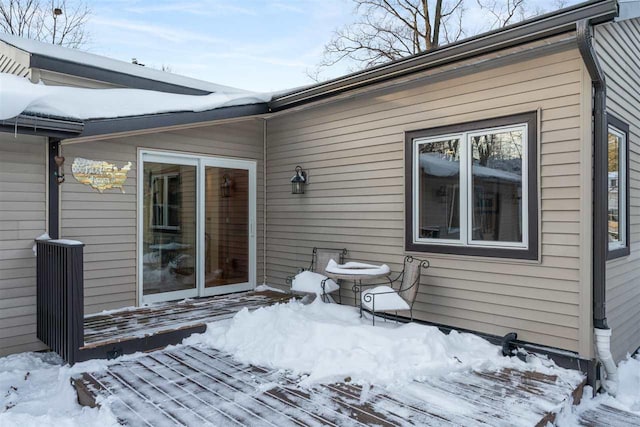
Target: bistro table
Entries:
(357, 277)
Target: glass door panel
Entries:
(169, 210)
(226, 244)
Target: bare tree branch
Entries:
(386, 30)
(35, 19)
(507, 11)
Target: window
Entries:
(165, 214)
(472, 188)
(618, 188)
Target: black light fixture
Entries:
(225, 187)
(298, 181)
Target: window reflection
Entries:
(497, 186)
(615, 143)
(169, 228)
(226, 226)
(439, 194)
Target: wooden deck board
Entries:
(189, 385)
(605, 415)
(126, 324)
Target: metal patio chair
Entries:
(320, 257)
(405, 286)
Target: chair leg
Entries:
(373, 310)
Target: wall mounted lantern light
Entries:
(225, 187)
(59, 172)
(298, 181)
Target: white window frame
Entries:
(622, 190)
(466, 189)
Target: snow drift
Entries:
(18, 95)
(330, 342)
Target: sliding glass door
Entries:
(229, 225)
(197, 226)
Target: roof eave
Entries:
(110, 76)
(98, 127)
(559, 22)
(55, 127)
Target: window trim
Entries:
(529, 250)
(623, 249)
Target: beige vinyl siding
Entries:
(618, 49)
(106, 222)
(353, 150)
(22, 219)
(13, 61)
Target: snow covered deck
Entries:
(162, 324)
(198, 385)
(606, 415)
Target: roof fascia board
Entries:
(527, 31)
(156, 121)
(109, 76)
(42, 126)
(435, 75)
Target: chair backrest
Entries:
(411, 278)
(322, 256)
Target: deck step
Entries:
(109, 335)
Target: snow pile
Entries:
(266, 288)
(356, 268)
(310, 282)
(330, 342)
(35, 390)
(19, 95)
(44, 236)
(627, 397)
(383, 298)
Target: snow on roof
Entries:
(434, 165)
(102, 62)
(18, 95)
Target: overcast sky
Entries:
(261, 45)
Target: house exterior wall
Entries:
(23, 211)
(106, 222)
(353, 150)
(618, 49)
